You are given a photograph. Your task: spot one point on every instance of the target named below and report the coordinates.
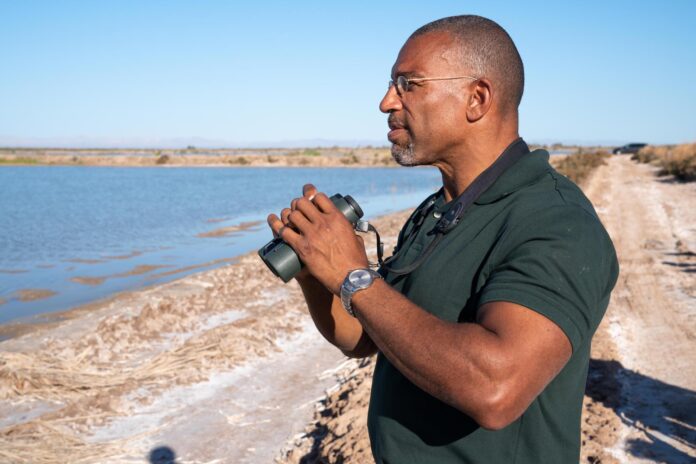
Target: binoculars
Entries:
(282, 260)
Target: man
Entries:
(483, 347)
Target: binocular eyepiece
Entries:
(282, 260)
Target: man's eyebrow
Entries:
(406, 74)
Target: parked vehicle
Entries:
(628, 148)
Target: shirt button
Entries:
(437, 214)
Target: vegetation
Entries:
(350, 158)
(19, 160)
(676, 160)
(240, 160)
(578, 167)
(162, 159)
(311, 152)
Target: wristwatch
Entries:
(356, 280)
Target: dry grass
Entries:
(19, 160)
(676, 160)
(577, 167)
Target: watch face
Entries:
(360, 278)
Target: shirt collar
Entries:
(526, 171)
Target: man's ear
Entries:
(480, 100)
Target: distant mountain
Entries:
(174, 142)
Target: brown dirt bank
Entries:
(222, 365)
(231, 230)
(271, 157)
(33, 294)
(640, 402)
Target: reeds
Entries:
(676, 160)
(577, 167)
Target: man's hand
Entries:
(321, 236)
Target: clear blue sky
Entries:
(233, 73)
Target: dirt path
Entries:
(641, 402)
(649, 332)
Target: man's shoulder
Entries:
(554, 210)
(553, 197)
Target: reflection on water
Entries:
(75, 234)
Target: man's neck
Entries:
(460, 169)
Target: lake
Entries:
(70, 235)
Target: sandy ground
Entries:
(224, 366)
(640, 404)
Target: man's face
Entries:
(429, 119)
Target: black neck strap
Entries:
(513, 153)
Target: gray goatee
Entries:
(403, 155)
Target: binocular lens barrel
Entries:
(282, 260)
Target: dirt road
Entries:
(647, 343)
(640, 404)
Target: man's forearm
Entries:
(453, 362)
(332, 321)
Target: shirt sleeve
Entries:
(560, 263)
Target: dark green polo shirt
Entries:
(534, 239)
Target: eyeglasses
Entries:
(403, 83)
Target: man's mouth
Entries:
(397, 129)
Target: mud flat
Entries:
(640, 403)
(220, 366)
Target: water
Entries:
(83, 233)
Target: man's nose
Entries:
(391, 101)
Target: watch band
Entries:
(349, 288)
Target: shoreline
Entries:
(335, 157)
(109, 272)
(156, 356)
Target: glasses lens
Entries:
(401, 84)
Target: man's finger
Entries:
(299, 220)
(309, 191)
(284, 216)
(308, 209)
(324, 204)
(289, 236)
(275, 224)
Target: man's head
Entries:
(432, 117)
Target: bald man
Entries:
(482, 325)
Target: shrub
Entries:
(162, 159)
(241, 160)
(577, 167)
(311, 152)
(350, 158)
(676, 160)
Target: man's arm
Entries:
(491, 370)
(332, 320)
